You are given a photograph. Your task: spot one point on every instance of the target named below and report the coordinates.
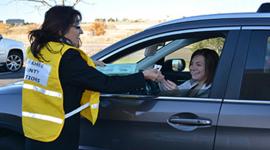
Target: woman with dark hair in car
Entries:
(61, 80)
(202, 69)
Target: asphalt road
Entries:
(10, 77)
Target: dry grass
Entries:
(4, 28)
(113, 31)
(19, 33)
(98, 28)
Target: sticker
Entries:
(37, 72)
(158, 67)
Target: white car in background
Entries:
(12, 54)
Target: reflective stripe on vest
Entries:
(42, 117)
(41, 90)
(55, 94)
(94, 106)
(77, 110)
(55, 119)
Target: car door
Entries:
(244, 122)
(140, 121)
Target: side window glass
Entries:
(140, 54)
(267, 57)
(255, 85)
(131, 58)
(174, 54)
(186, 52)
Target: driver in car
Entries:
(202, 69)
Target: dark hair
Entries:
(57, 22)
(211, 60)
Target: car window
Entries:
(140, 54)
(256, 78)
(267, 57)
(186, 52)
(131, 58)
(167, 50)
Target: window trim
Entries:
(255, 27)
(170, 34)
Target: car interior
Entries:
(164, 52)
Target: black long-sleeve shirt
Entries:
(76, 76)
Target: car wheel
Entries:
(11, 140)
(14, 62)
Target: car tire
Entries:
(14, 61)
(11, 141)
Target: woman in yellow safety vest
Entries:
(61, 80)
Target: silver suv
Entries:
(12, 54)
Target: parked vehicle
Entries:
(235, 116)
(12, 54)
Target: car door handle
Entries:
(184, 121)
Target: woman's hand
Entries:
(168, 85)
(153, 74)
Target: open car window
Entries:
(186, 52)
(140, 54)
(163, 51)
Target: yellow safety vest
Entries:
(43, 114)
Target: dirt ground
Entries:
(114, 31)
(91, 44)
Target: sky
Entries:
(131, 9)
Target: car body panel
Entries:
(244, 121)
(140, 123)
(128, 118)
(10, 99)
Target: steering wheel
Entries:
(151, 88)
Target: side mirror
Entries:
(178, 65)
(174, 65)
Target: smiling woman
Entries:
(202, 69)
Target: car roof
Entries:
(231, 20)
(248, 18)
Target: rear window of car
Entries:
(256, 79)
